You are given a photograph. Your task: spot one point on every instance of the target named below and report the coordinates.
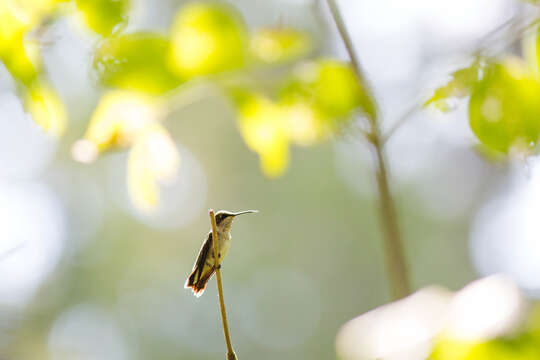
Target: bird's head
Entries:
(224, 218)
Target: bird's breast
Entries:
(224, 243)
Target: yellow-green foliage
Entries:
(504, 108)
(104, 17)
(207, 38)
(135, 62)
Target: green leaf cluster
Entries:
(210, 40)
(135, 62)
(504, 109)
(21, 57)
(316, 100)
(206, 39)
(504, 104)
(330, 86)
(308, 102)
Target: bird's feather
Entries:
(203, 269)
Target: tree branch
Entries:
(393, 248)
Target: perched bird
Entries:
(205, 266)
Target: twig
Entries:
(230, 352)
(197, 89)
(183, 96)
(518, 26)
(405, 117)
(13, 250)
(395, 258)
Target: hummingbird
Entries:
(205, 266)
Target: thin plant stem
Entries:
(406, 116)
(393, 247)
(13, 250)
(230, 351)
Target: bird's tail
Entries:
(198, 285)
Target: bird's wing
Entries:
(203, 256)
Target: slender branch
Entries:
(13, 250)
(182, 96)
(230, 352)
(395, 257)
(405, 117)
(516, 26)
(197, 89)
(393, 246)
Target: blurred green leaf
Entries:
(459, 86)
(46, 108)
(119, 118)
(261, 123)
(104, 17)
(276, 45)
(135, 62)
(331, 89)
(305, 125)
(29, 13)
(21, 59)
(504, 109)
(207, 38)
(129, 119)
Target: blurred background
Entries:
(86, 274)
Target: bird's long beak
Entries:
(245, 212)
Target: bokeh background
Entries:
(86, 275)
